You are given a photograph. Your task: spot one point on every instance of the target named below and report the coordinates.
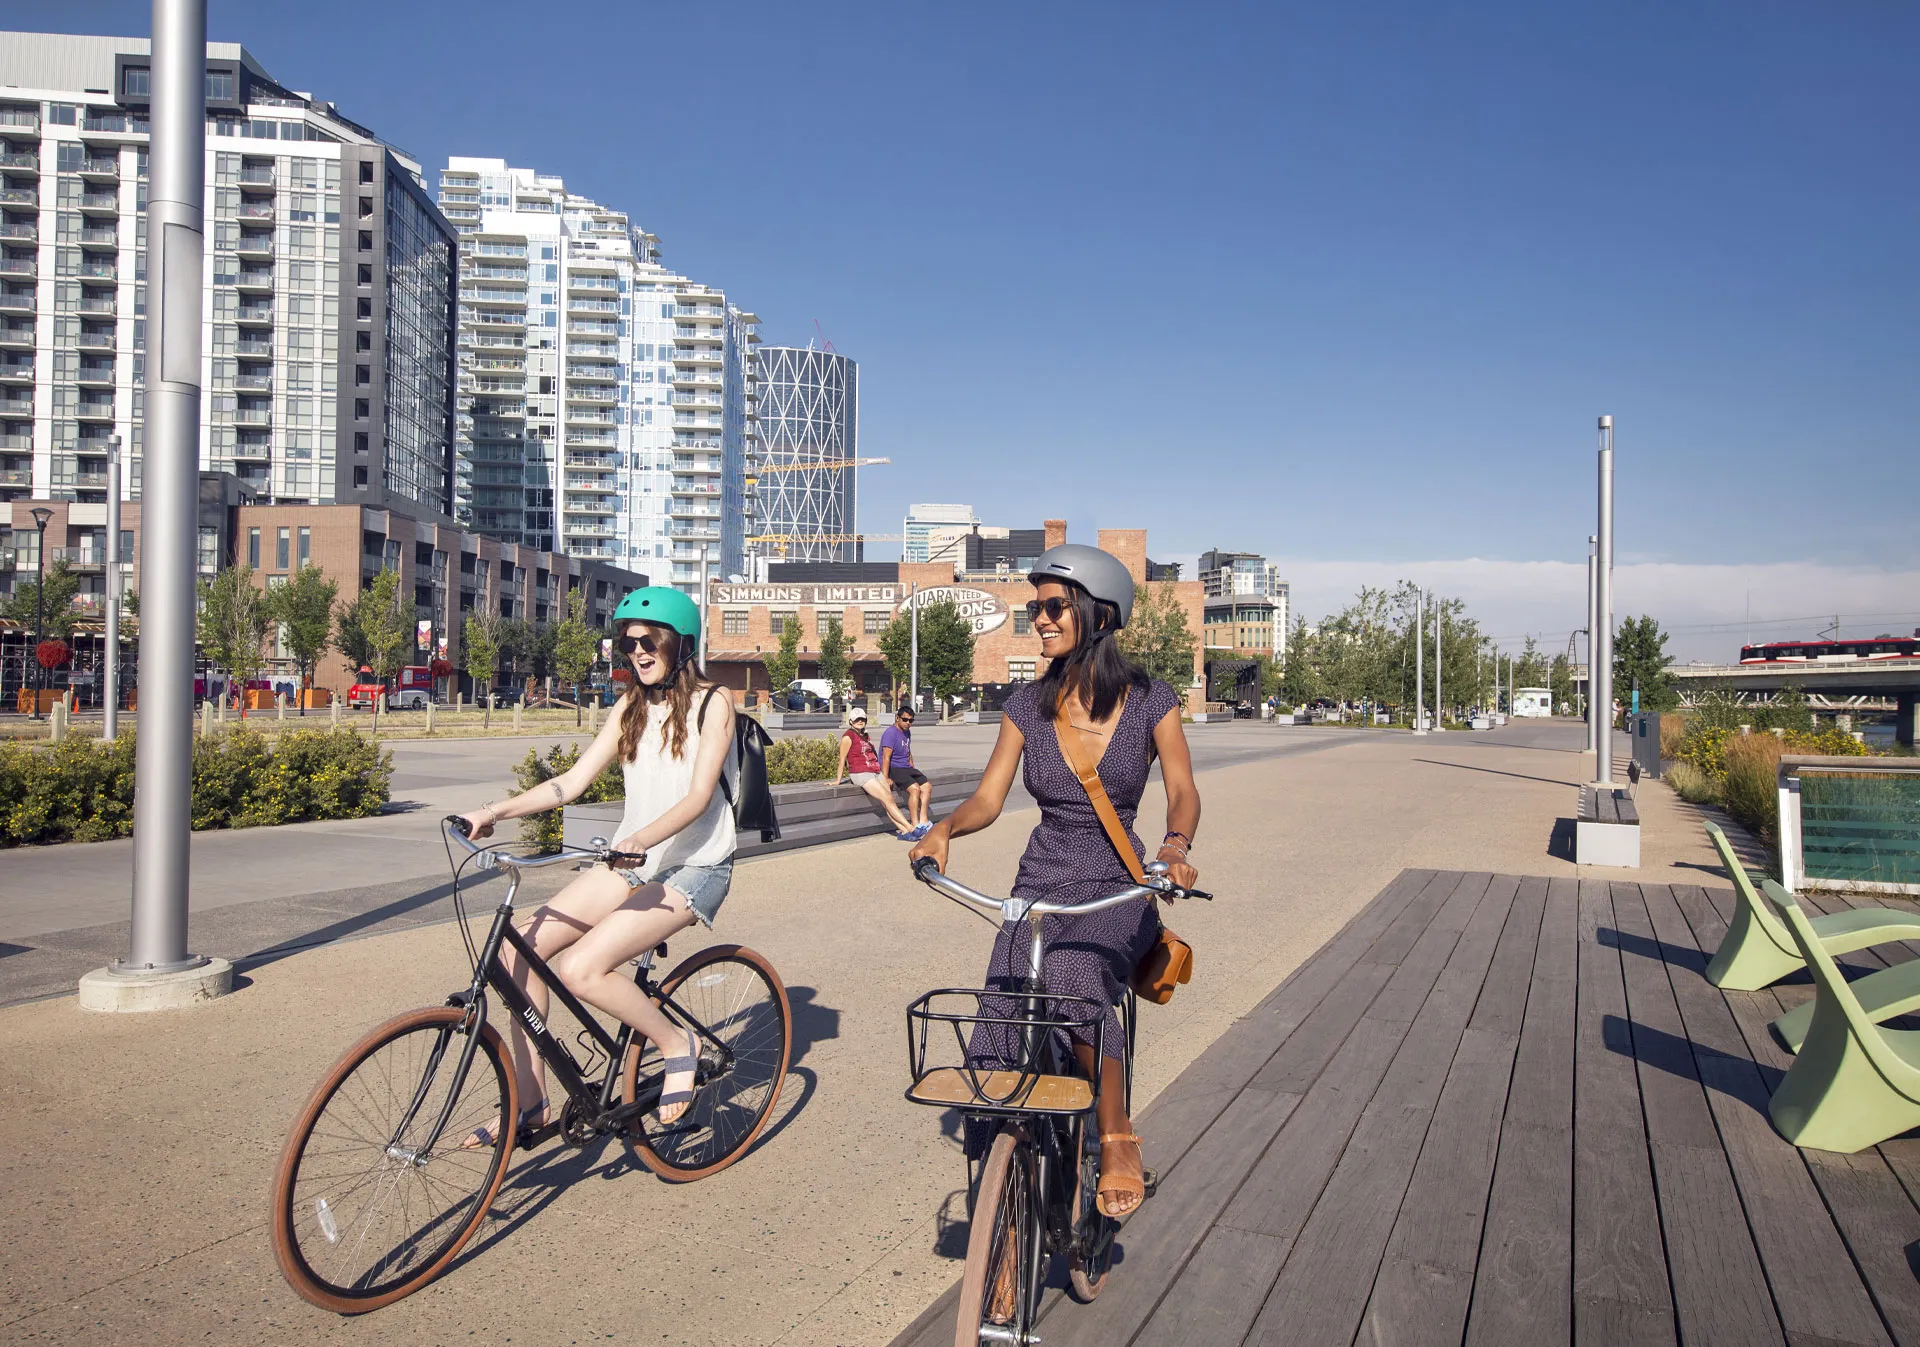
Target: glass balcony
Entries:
(18, 266)
(95, 372)
(20, 161)
(255, 210)
(23, 196)
(101, 170)
(18, 335)
(100, 409)
(254, 279)
(256, 177)
(254, 383)
(95, 341)
(255, 245)
(104, 305)
(257, 417)
(107, 238)
(254, 346)
(255, 315)
(100, 203)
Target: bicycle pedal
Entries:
(1150, 1178)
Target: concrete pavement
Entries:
(141, 1149)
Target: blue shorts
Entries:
(703, 886)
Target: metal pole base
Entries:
(124, 990)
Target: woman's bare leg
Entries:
(1112, 1116)
(885, 797)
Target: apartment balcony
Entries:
(588, 527)
(591, 420)
(698, 355)
(16, 406)
(493, 296)
(514, 386)
(19, 441)
(501, 411)
(256, 178)
(471, 271)
(713, 400)
(101, 170)
(95, 341)
(256, 418)
(506, 319)
(18, 266)
(254, 383)
(20, 231)
(99, 271)
(698, 311)
(26, 163)
(592, 350)
(593, 394)
(590, 505)
(592, 282)
(100, 203)
(578, 459)
(255, 346)
(578, 436)
(504, 340)
(103, 306)
(590, 327)
(26, 118)
(576, 304)
(696, 532)
(16, 303)
(697, 378)
(22, 196)
(255, 315)
(17, 336)
(14, 477)
(90, 480)
(255, 210)
(596, 482)
(95, 409)
(254, 280)
(95, 373)
(254, 450)
(256, 245)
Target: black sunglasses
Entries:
(626, 645)
(1053, 608)
(906, 716)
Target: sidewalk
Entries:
(842, 1227)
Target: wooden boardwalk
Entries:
(1504, 1110)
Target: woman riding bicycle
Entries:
(671, 737)
(1084, 596)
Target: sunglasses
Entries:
(1053, 608)
(626, 645)
(904, 716)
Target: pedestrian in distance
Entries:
(1123, 721)
(896, 764)
(671, 734)
(859, 760)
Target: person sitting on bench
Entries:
(856, 752)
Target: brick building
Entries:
(744, 620)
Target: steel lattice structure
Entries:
(809, 412)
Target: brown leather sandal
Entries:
(1116, 1180)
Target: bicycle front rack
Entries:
(1013, 1071)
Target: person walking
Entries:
(857, 753)
(671, 735)
(896, 764)
(1123, 721)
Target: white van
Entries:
(806, 692)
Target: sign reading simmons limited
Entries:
(811, 595)
(980, 608)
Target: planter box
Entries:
(1285, 718)
(982, 717)
(1211, 717)
(800, 720)
(1481, 723)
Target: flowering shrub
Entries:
(52, 654)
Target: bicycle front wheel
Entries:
(997, 1292)
(364, 1210)
(738, 999)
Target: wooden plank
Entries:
(1523, 1286)
(1413, 981)
(1206, 1306)
(1307, 984)
(1399, 938)
(1816, 1289)
(1619, 1258)
(1322, 1291)
(1157, 1244)
(1719, 1288)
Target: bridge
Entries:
(1855, 685)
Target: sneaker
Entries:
(921, 831)
(908, 835)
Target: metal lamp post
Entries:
(1420, 663)
(1600, 676)
(111, 727)
(41, 514)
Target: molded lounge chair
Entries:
(1757, 950)
(1882, 994)
(1854, 1084)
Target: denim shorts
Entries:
(703, 886)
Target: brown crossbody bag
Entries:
(1170, 960)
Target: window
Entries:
(280, 548)
(253, 548)
(306, 544)
(362, 376)
(364, 308)
(823, 622)
(359, 441)
(136, 82)
(366, 208)
(366, 171)
(220, 86)
(778, 618)
(1022, 624)
(207, 555)
(363, 341)
(366, 273)
(366, 240)
(359, 409)
(875, 621)
(1020, 671)
(360, 477)
(733, 622)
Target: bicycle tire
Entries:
(307, 1175)
(1002, 1242)
(1087, 1276)
(737, 997)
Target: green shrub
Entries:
(543, 831)
(1750, 786)
(1693, 785)
(790, 760)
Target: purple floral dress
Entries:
(1069, 859)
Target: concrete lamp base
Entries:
(105, 990)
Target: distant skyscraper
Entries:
(931, 526)
(604, 401)
(1246, 575)
(808, 403)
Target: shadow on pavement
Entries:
(347, 926)
(1494, 771)
(812, 1022)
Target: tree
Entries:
(61, 586)
(304, 609)
(1560, 682)
(480, 641)
(1299, 679)
(783, 665)
(896, 649)
(1640, 656)
(946, 648)
(233, 623)
(836, 658)
(574, 646)
(1158, 638)
(370, 632)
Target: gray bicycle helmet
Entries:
(1101, 574)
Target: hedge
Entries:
(81, 790)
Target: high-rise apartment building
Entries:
(809, 428)
(1247, 602)
(931, 527)
(329, 283)
(605, 402)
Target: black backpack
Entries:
(749, 793)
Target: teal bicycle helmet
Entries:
(663, 606)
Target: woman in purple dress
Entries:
(1124, 721)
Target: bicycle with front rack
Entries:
(1033, 1194)
(379, 1187)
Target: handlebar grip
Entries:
(924, 864)
(459, 824)
(1199, 893)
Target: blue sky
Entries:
(1340, 283)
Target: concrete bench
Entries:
(810, 813)
(1607, 831)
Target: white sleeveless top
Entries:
(656, 781)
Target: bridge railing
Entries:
(1851, 824)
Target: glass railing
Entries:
(1860, 827)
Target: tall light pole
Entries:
(41, 514)
(703, 606)
(1600, 677)
(112, 691)
(913, 647)
(1420, 662)
(1593, 601)
(1439, 697)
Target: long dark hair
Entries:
(1096, 664)
(676, 694)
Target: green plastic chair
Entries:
(1757, 951)
(1853, 1084)
(1882, 994)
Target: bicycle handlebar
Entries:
(1012, 909)
(457, 827)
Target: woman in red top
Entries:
(857, 753)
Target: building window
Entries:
(366, 273)
(822, 622)
(360, 477)
(364, 308)
(220, 86)
(306, 544)
(1020, 670)
(876, 620)
(777, 620)
(253, 548)
(136, 82)
(366, 171)
(208, 555)
(733, 622)
(1022, 624)
(366, 207)
(359, 409)
(363, 341)
(366, 240)
(281, 545)
(362, 376)
(359, 441)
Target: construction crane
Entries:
(832, 464)
(830, 538)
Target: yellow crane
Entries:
(829, 463)
(784, 538)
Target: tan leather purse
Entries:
(1170, 961)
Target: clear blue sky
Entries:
(1336, 281)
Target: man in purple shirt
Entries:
(896, 764)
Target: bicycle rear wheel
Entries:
(1092, 1256)
(363, 1212)
(1003, 1244)
(738, 999)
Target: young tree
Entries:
(1640, 656)
(896, 650)
(783, 665)
(574, 647)
(480, 640)
(836, 658)
(1158, 638)
(60, 615)
(233, 623)
(304, 609)
(946, 649)
(1299, 679)
(1560, 683)
(388, 636)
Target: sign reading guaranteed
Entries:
(979, 607)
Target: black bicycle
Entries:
(1033, 1194)
(380, 1187)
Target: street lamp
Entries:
(41, 514)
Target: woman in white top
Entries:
(670, 735)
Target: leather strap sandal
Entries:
(1120, 1179)
(482, 1137)
(689, 1064)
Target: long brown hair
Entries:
(676, 694)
